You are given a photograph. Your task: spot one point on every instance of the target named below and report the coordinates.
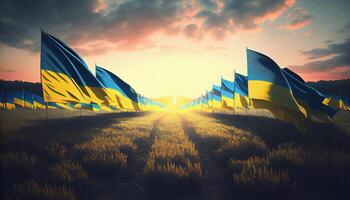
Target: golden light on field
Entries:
(173, 103)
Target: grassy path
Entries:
(215, 183)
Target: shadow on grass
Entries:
(46, 143)
(274, 132)
(216, 181)
(68, 131)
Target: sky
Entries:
(179, 47)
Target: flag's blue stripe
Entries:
(241, 84)
(263, 68)
(110, 80)
(58, 57)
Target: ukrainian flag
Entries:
(269, 89)
(337, 103)
(39, 102)
(204, 102)
(216, 97)
(65, 75)
(124, 94)
(308, 97)
(241, 91)
(52, 105)
(67, 106)
(28, 99)
(18, 98)
(210, 99)
(227, 93)
(9, 103)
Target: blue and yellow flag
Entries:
(337, 103)
(124, 94)
(18, 98)
(66, 106)
(241, 91)
(65, 76)
(216, 92)
(52, 105)
(204, 102)
(8, 101)
(227, 93)
(308, 97)
(39, 102)
(28, 99)
(269, 89)
(210, 99)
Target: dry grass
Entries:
(133, 155)
(32, 190)
(173, 162)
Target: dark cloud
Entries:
(96, 26)
(78, 21)
(241, 15)
(20, 21)
(298, 19)
(334, 56)
(247, 14)
(344, 29)
(208, 4)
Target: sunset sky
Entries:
(179, 47)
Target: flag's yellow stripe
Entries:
(58, 87)
(9, 106)
(276, 94)
(19, 102)
(241, 101)
(227, 102)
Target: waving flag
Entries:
(337, 103)
(18, 98)
(8, 102)
(39, 102)
(65, 75)
(227, 93)
(216, 92)
(28, 99)
(241, 91)
(124, 93)
(269, 89)
(204, 102)
(308, 97)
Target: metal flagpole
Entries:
(46, 111)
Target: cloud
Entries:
(298, 19)
(335, 56)
(248, 14)
(208, 4)
(78, 22)
(97, 26)
(191, 30)
(344, 29)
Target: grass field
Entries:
(169, 155)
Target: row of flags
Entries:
(68, 83)
(28, 99)
(267, 86)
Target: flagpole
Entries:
(24, 98)
(46, 111)
(234, 92)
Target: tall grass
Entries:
(172, 164)
(32, 190)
